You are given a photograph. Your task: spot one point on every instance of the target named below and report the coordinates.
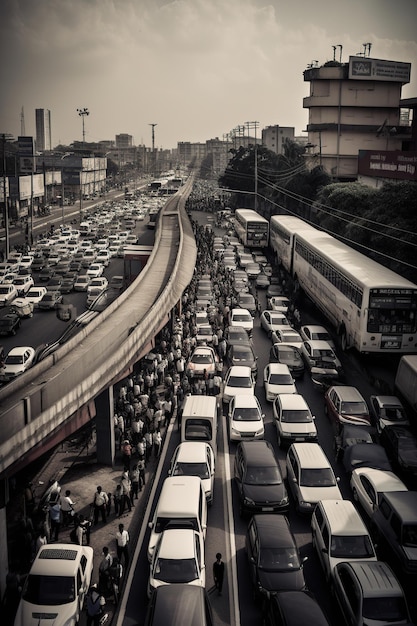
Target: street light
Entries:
(82, 113)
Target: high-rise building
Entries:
(43, 130)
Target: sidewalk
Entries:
(80, 473)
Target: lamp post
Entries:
(83, 113)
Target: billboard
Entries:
(364, 68)
(388, 164)
(26, 155)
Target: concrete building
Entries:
(274, 137)
(43, 130)
(124, 141)
(353, 106)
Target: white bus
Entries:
(372, 308)
(282, 229)
(251, 228)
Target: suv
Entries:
(258, 478)
(293, 419)
(394, 526)
(310, 476)
(57, 584)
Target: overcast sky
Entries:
(197, 68)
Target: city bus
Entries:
(251, 228)
(372, 308)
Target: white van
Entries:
(181, 504)
(198, 417)
(339, 534)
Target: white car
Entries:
(246, 420)
(97, 283)
(317, 351)
(242, 318)
(238, 381)
(23, 284)
(368, 484)
(310, 476)
(103, 257)
(277, 379)
(17, 361)
(178, 558)
(82, 282)
(8, 293)
(273, 320)
(288, 336)
(195, 458)
(314, 332)
(204, 334)
(95, 270)
(279, 303)
(35, 295)
(203, 360)
(56, 585)
(26, 260)
(293, 419)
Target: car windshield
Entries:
(279, 320)
(201, 359)
(317, 477)
(176, 570)
(325, 353)
(296, 416)
(49, 590)
(243, 382)
(278, 559)
(280, 379)
(241, 354)
(14, 359)
(4, 290)
(385, 609)
(263, 476)
(410, 536)
(205, 331)
(191, 469)
(354, 408)
(290, 337)
(246, 414)
(393, 413)
(239, 317)
(351, 547)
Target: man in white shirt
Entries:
(122, 540)
(67, 508)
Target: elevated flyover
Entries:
(55, 397)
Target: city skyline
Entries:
(195, 69)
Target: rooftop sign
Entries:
(364, 68)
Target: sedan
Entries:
(345, 405)
(82, 283)
(54, 284)
(7, 294)
(253, 270)
(368, 483)
(238, 381)
(17, 361)
(313, 332)
(273, 320)
(51, 300)
(35, 295)
(68, 282)
(279, 303)
(95, 270)
(46, 273)
(317, 351)
(203, 362)
(287, 336)
(178, 558)
(242, 355)
(237, 335)
(262, 281)
(246, 420)
(293, 419)
(288, 354)
(277, 379)
(274, 561)
(23, 284)
(99, 283)
(195, 458)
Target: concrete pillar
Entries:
(105, 427)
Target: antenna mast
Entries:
(22, 123)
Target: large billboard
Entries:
(27, 162)
(387, 164)
(364, 68)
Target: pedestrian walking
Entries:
(126, 487)
(104, 571)
(99, 504)
(126, 454)
(141, 468)
(67, 508)
(117, 500)
(95, 604)
(134, 481)
(157, 442)
(55, 519)
(218, 573)
(122, 541)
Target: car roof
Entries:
(405, 504)
(319, 344)
(169, 604)
(292, 401)
(387, 401)
(299, 607)
(311, 455)
(19, 350)
(375, 578)
(382, 480)
(278, 368)
(240, 370)
(274, 530)
(348, 394)
(192, 451)
(245, 401)
(59, 559)
(343, 517)
(259, 453)
(177, 543)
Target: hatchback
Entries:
(258, 478)
(345, 405)
(238, 381)
(17, 361)
(274, 561)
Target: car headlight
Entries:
(235, 431)
(248, 501)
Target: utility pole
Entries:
(153, 146)
(83, 113)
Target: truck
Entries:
(406, 380)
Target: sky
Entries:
(196, 68)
